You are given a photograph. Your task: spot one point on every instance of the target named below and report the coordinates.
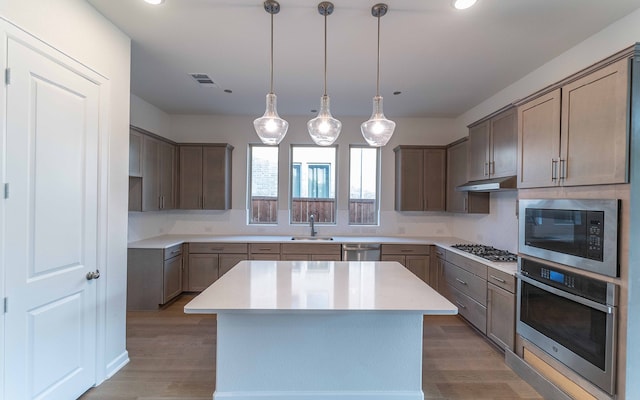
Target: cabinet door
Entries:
(462, 202)
(203, 271)
(135, 153)
(228, 261)
(216, 185)
(150, 174)
(409, 180)
(190, 181)
(296, 257)
(419, 265)
(539, 141)
(594, 127)
(501, 311)
(393, 257)
(326, 257)
(167, 162)
(172, 278)
(478, 152)
(504, 145)
(435, 165)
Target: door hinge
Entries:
(6, 190)
(7, 76)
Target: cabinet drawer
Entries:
(467, 283)
(405, 249)
(471, 310)
(306, 248)
(468, 264)
(207, 248)
(439, 251)
(264, 248)
(173, 251)
(502, 279)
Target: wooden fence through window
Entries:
(265, 210)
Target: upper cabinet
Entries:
(577, 134)
(152, 172)
(420, 178)
(458, 201)
(205, 177)
(493, 147)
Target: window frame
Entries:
(250, 220)
(377, 191)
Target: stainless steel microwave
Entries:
(579, 233)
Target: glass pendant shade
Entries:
(270, 128)
(324, 129)
(377, 130)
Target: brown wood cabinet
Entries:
(578, 133)
(209, 261)
(311, 252)
(264, 251)
(415, 257)
(420, 178)
(154, 277)
(493, 147)
(205, 176)
(135, 153)
(501, 309)
(462, 202)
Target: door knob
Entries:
(93, 275)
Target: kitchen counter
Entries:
(166, 241)
(319, 329)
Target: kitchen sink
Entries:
(311, 238)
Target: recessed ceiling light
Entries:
(463, 4)
(228, 91)
(397, 92)
(154, 2)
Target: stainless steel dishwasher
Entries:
(361, 252)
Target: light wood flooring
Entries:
(172, 358)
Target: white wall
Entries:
(150, 118)
(238, 131)
(78, 30)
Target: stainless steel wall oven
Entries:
(572, 317)
(579, 233)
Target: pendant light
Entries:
(378, 130)
(324, 129)
(270, 128)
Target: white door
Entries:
(51, 228)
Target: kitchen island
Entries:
(319, 330)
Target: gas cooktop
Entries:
(487, 252)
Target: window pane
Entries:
(363, 186)
(313, 190)
(263, 207)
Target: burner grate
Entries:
(487, 252)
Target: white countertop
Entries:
(166, 241)
(286, 286)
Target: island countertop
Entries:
(312, 286)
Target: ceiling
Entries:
(443, 61)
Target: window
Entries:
(263, 177)
(313, 184)
(363, 185)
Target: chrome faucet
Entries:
(312, 219)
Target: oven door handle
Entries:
(570, 296)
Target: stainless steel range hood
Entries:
(489, 185)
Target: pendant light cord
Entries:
(271, 54)
(325, 54)
(378, 69)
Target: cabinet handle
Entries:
(554, 170)
(563, 169)
(202, 201)
(461, 281)
(492, 168)
(460, 304)
(464, 203)
(219, 250)
(267, 249)
(484, 169)
(175, 251)
(497, 279)
(406, 251)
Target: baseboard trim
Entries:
(116, 365)
(541, 384)
(313, 395)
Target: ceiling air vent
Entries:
(204, 80)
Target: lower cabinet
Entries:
(415, 257)
(154, 277)
(311, 252)
(209, 261)
(264, 251)
(469, 292)
(436, 269)
(501, 309)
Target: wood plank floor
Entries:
(172, 358)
